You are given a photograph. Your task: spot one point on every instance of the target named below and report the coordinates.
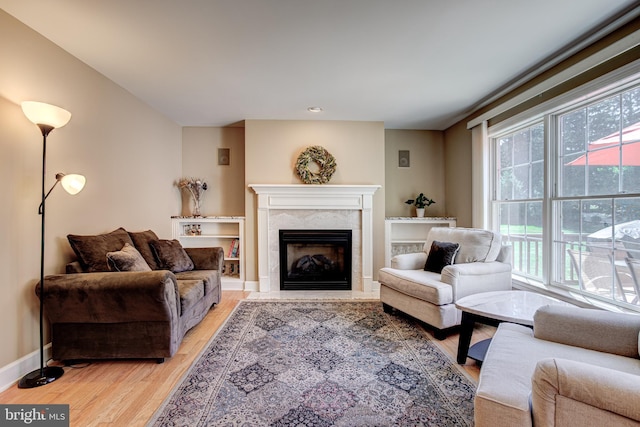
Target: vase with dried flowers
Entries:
(195, 186)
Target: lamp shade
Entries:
(46, 114)
(73, 183)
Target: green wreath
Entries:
(322, 158)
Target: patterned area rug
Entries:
(319, 363)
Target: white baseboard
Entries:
(11, 373)
(252, 286)
(232, 286)
(239, 286)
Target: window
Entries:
(572, 212)
(520, 174)
(597, 207)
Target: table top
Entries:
(508, 306)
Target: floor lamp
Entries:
(47, 117)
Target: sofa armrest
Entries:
(599, 330)
(206, 258)
(602, 396)
(413, 261)
(475, 277)
(111, 297)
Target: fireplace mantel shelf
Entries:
(313, 188)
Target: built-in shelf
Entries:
(214, 231)
(408, 234)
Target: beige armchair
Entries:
(577, 367)
(569, 393)
(481, 264)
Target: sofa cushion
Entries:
(440, 255)
(424, 285)
(171, 256)
(476, 245)
(91, 250)
(127, 259)
(191, 292)
(141, 240)
(208, 277)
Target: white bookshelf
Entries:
(408, 234)
(215, 231)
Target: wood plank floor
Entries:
(127, 393)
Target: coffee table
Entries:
(492, 308)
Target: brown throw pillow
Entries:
(170, 255)
(92, 250)
(127, 259)
(141, 240)
(440, 255)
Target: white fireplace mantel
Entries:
(291, 197)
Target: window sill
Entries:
(580, 300)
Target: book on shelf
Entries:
(233, 248)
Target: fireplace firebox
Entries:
(315, 260)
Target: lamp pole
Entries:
(47, 374)
(47, 117)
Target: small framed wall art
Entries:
(223, 156)
(403, 159)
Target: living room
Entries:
(132, 156)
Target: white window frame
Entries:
(548, 112)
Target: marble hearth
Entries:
(284, 206)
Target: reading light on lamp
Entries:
(72, 183)
(47, 117)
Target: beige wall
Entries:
(272, 148)
(132, 157)
(458, 167)
(425, 174)
(225, 195)
(129, 153)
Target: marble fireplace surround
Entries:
(291, 206)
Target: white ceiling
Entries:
(414, 64)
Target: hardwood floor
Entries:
(127, 393)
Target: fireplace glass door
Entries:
(315, 259)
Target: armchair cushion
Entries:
(440, 255)
(413, 261)
(127, 259)
(476, 245)
(420, 284)
(92, 250)
(609, 332)
(171, 255)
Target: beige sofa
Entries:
(482, 264)
(577, 367)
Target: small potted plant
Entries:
(420, 202)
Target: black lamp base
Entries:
(41, 377)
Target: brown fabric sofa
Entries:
(97, 311)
